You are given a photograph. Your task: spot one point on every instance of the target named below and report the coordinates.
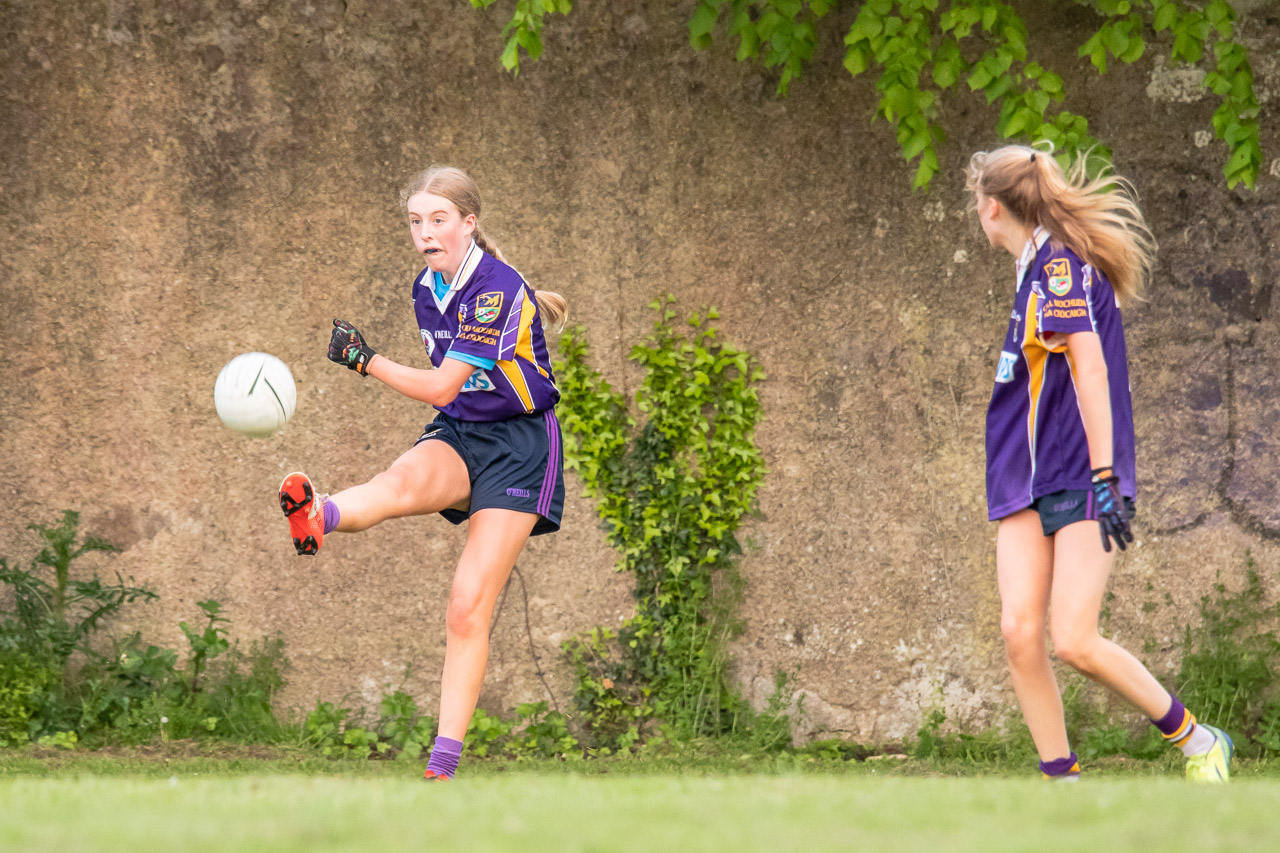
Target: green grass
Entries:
(143, 801)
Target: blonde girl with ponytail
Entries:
(492, 454)
(1060, 441)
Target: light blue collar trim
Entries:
(470, 261)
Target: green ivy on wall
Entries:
(672, 485)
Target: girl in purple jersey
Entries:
(1060, 443)
(492, 454)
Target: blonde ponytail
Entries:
(1098, 219)
(483, 241)
(553, 307)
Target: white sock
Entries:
(1200, 742)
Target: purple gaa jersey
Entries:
(1035, 436)
(488, 314)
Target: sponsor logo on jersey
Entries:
(442, 333)
(488, 306)
(1059, 272)
(478, 381)
(1004, 370)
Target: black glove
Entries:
(347, 346)
(1107, 506)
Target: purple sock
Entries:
(1174, 723)
(331, 516)
(444, 756)
(1060, 766)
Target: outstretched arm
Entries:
(438, 387)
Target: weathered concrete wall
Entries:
(185, 181)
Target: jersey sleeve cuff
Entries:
(473, 360)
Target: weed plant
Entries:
(58, 688)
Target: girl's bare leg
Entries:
(1025, 569)
(1080, 578)
(494, 540)
(427, 478)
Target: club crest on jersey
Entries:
(488, 306)
(1059, 272)
(428, 342)
(1004, 370)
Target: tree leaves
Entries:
(781, 33)
(524, 30)
(922, 48)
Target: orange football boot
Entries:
(305, 511)
(433, 776)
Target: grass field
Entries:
(196, 804)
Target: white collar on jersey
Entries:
(470, 261)
(1034, 244)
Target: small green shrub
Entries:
(322, 729)
(1229, 660)
(541, 733)
(59, 740)
(403, 728)
(400, 732)
(24, 684)
(1007, 743)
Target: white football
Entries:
(255, 394)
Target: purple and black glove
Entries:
(347, 346)
(1107, 505)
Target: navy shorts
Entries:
(1067, 507)
(513, 464)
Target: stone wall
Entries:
(184, 181)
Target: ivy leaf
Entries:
(1137, 47)
(531, 43)
(702, 24)
(865, 28)
(855, 60)
(945, 75)
(928, 168)
(510, 56)
(979, 77)
(1188, 48)
(1116, 40)
(915, 144)
(899, 99)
